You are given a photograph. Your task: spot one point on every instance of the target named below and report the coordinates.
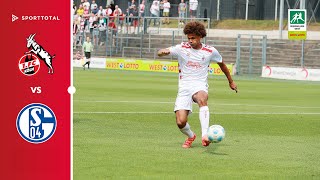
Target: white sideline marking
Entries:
(223, 104)
(236, 113)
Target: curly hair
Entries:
(196, 28)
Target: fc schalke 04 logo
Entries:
(36, 123)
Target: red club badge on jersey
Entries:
(29, 64)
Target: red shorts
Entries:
(135, 23)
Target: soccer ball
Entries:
(216, 133)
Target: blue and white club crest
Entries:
(36, 123)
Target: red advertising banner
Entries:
(35, 76)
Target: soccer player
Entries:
(194, 58)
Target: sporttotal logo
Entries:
(36, 123)
(35, 18)
(14, 18)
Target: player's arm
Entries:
(163, 52)
(226, 71)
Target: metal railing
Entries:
(261, 44)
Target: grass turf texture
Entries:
(272, 128)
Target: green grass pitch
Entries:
(124, 128)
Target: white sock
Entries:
(187, 131)
(204, 119)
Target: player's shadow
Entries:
(213, 149)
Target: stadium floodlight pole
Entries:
(247, 6)
(302, 4)
(281, 18)
(276, 11)
(218, 10)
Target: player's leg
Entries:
(183, 107)
(86, 60)
(201, 98)
(182, 123)
(89, 63)
(89, 58)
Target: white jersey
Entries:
(193, 64)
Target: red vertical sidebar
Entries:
(49, 22)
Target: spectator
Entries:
(81, 34)
(86, 17)
(94, 5)
(193, 8)
(101, 12)
(128, 21)
(78, 55)
(102, 26)
(108, 10)
(141, 9)
(109, 2)
(80, 10)
(87, 4)
(135, 22)
(161, 8)
(166, 11)
(182, 11)
(141, 15)
(75, 29)
(95, 31)
(131, 5)
(116, 13)
(73, 10)
(113, 28)
(92, 18)
(121, 19)
(154, 10)
(95, 10)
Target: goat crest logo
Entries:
(40, 52)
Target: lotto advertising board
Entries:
(156, 66)
(35, 103)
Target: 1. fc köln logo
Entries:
(29, 63)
